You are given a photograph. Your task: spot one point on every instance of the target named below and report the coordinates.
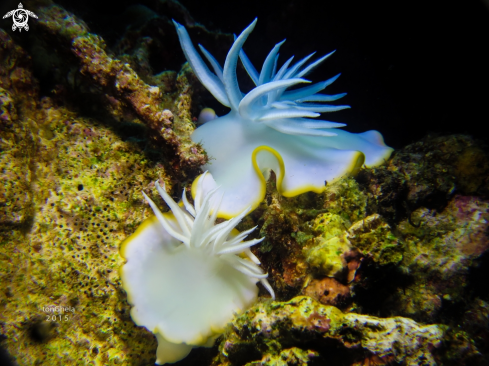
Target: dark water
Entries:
(409, 68)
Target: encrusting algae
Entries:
(72, 194)
(267, 330)
(384, 268)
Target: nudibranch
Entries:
(271, 128)
(185, 276)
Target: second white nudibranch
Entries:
(185, 276)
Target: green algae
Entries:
(290, 356)
(81, 196)
(346, 199)
(325, 256)
(374, 238)
(301, 237)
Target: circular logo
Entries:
(20, 17)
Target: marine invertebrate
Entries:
(270, 128)
(184, 274)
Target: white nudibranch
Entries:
(273, 128)
(185, 276)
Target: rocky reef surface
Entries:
(385, 268)
(292, 333)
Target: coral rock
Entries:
(373, 237)
(123, 85)
(269, 327)
(288, 357)
(427, 173)
(325, 254)
(328, 291)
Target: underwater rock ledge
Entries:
(270, 328)
(118, 81)
(72, 194)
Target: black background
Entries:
(409, 68)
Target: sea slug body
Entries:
(186, 277)
(272, 128)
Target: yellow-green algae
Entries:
(374, 238)
(345, 198)
(292, 231)
(441, 249)
(336, 236)
(291, 356)
(325, 252)
(15, 206)
(71, 194)
(86, 198)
